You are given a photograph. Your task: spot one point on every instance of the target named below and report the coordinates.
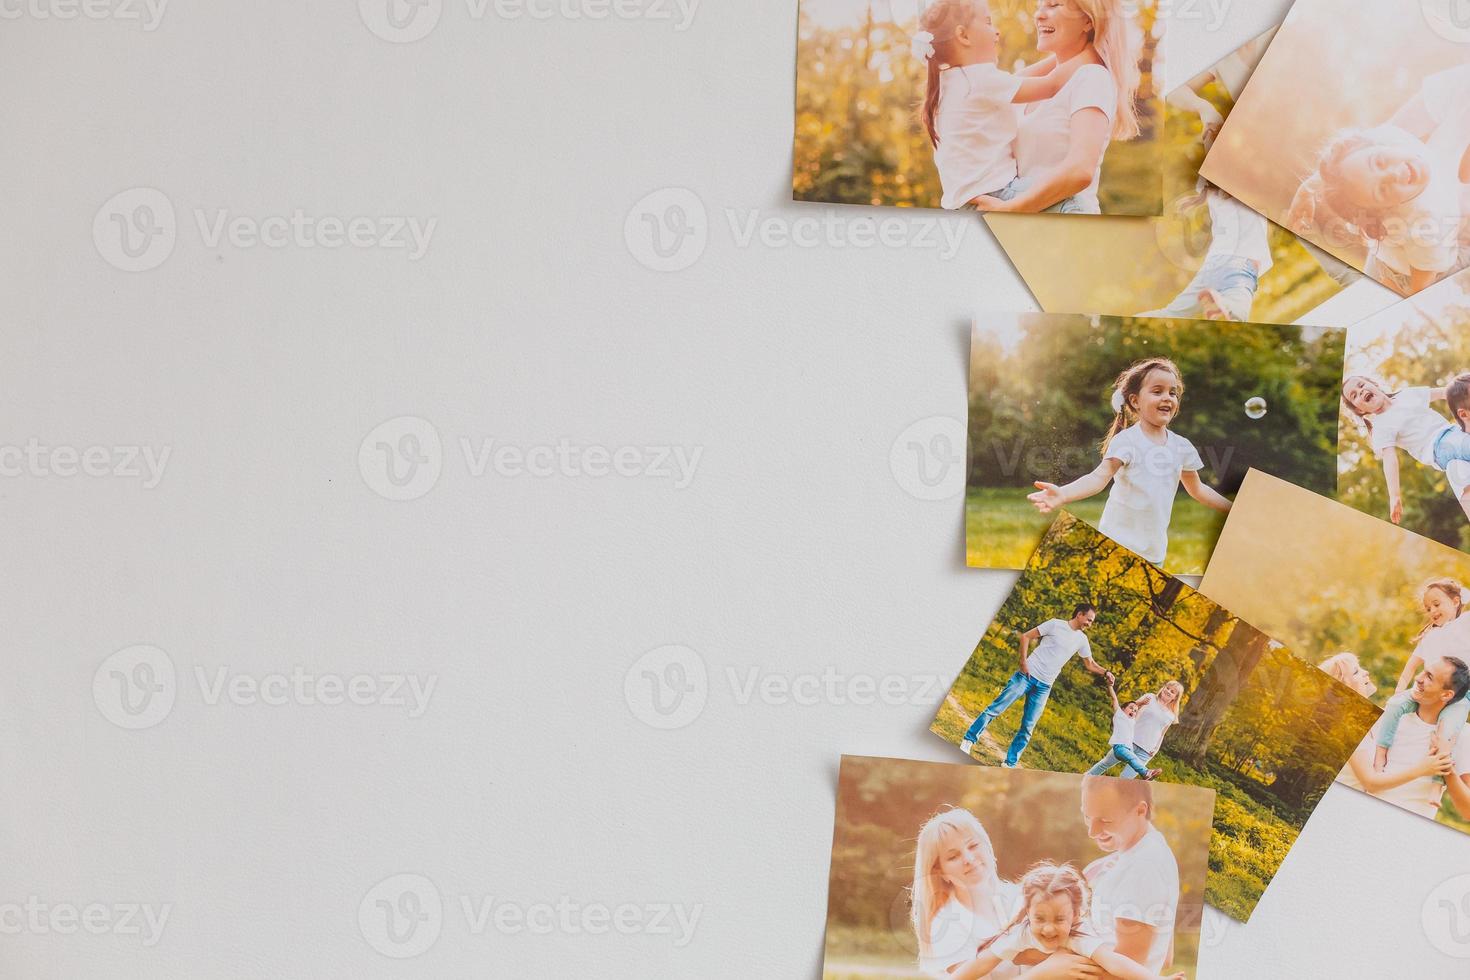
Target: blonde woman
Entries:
(1346, 668)
(1156, 714)
(1060, 142)
(959, 901)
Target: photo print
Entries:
(1144, 427)
(1099, 662)
(1207, 257)
(942, 870)
(1020, 105)
(1355, 134)
(1377, 607)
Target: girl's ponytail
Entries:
(930, 108)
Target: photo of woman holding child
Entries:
(956, 872)
(1017, 104)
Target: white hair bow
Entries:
(923, 45)
(1118, 400)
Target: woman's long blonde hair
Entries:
(1113, 39)
(931, 891)
(1174, 708)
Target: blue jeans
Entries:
(1036, 694)
(1132, 756)
(1452, 444)
(1233, 279)
(1070, 205)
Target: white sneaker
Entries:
(967, 745)
(1006, 765)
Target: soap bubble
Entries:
(1255, 408)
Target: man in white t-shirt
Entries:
(1135, 885)
(1057, 641)
(1416, 756)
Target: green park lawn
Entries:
(1002, 528)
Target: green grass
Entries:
(1248, 841)
(1002, 528)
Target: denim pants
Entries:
(1453, 443)
(1070, 205)
(1036, 693)
(1233, 279)
(1135, 758)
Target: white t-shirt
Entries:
(976, 122)
(1084, 942)
(1142, 498)
(1409, 424)
(1458, 475)
(1059, 642)
(1410, 746)
(1450, 640)
(1238, 231)
(1045, 129)
(957, 932)
(1140, 884)
(1122, 729)
(1148, 728)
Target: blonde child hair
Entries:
(931, 891)
(1047, 880)
(1451, 589)
(1127, 386)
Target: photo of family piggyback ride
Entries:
(956, 872)
(980, 105)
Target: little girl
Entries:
(1446, 633)
(1379, 188)
(968, 101)
(1403, 420)
(1053, 918)
(1121, 741)
(1143, 460)
(1225, 286)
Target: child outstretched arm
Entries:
(1390, 460)
(1203, 492)
(1048, 496)
(1040, 86)
(1123, 968)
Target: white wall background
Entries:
(533, 778)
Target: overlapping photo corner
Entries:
(1220, 704)
(1208, 256)
(932, 861)
(1378, 607)
(1043, 402)
(862, 73)
(1406, 384)
(1354, 134)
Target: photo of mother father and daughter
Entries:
(1138, 726)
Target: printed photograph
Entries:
(1098, 662)
(1144, 427)
(988, 105)
(1404, 445)
(1361, 148)
(1379, 608)
(949, 871)
(1207, 257)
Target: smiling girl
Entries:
(1143, 460)
(1403, 420)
